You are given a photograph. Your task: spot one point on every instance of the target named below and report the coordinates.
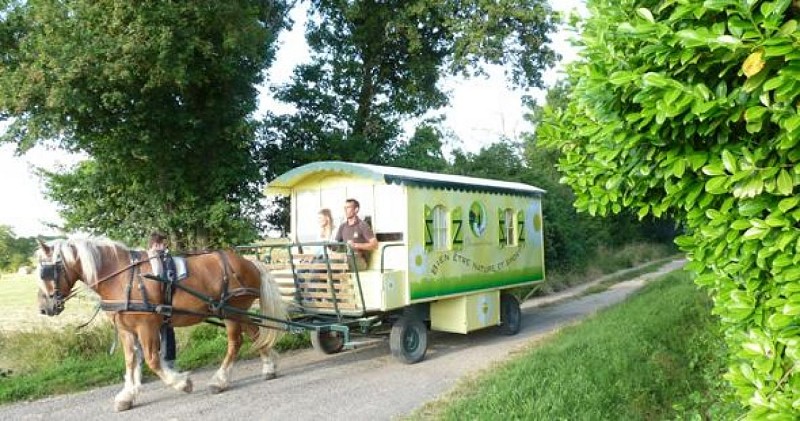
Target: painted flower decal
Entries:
(418, 260)
(533, 222)
(484, 310)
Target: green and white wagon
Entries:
(450, 248)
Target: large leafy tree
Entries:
(423, 151)
(14, 251)
(690, 109)
(158, 95)
(377, 63)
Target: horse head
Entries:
(56, 277)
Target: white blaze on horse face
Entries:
(43, 287)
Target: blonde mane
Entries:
(90, 251)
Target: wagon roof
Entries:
(394, 175)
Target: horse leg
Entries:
(268, 355)
(123, 401)
(151, 341)
(221, 378)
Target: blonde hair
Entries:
(327, 229)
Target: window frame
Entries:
(440, 228)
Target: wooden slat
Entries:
(319, 266)
(343, 289)
(323, 304)
(313, 277)
(286, 282)
(299, 257)
(278, 266)
(337, 267)
(336, 276)
(281, 276)
(327, 295)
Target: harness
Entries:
(170, 284)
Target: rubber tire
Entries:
(510, 315)
(409, 340)
(330, 342)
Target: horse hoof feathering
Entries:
(215, 390)
(122, 406)
(186, 387)
(129, 290)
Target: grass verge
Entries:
(604, 262)
(657, 356)
(72, 360)
(625, 275)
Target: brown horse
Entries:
(219, 284)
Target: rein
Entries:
(137, 263)
(124, 268)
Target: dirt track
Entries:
(365, 383)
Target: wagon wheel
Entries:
(329, 342)
(510, 314)
(409, 339)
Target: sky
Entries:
(481, 110)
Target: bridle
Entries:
(56, 273)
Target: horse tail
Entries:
(272, 306)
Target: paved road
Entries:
(362, 384)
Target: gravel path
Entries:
(362, 384)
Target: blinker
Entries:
(47, 271)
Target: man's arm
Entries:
(372, 242)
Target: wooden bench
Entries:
(315, 286)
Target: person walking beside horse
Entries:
(164, 267)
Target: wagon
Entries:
(450, 249)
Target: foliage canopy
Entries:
(377, 64)
(689, 109)
(158, 95)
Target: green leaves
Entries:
(726, 165)
(645, 14)
(159, 96)
(785, 183)
(717, 185)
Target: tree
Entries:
(688, 109)
(158, 94)
(14, 251)
(375, 63)
(422, 152)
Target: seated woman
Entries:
(326, 233)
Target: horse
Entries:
(219, 284)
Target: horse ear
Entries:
(42, 245)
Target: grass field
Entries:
(20, 311)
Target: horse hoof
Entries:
(214, 389)
(188, 386)
(122, 406)
(270, 376)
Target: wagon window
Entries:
(477, 218)
(508, 227)
(440, 237)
